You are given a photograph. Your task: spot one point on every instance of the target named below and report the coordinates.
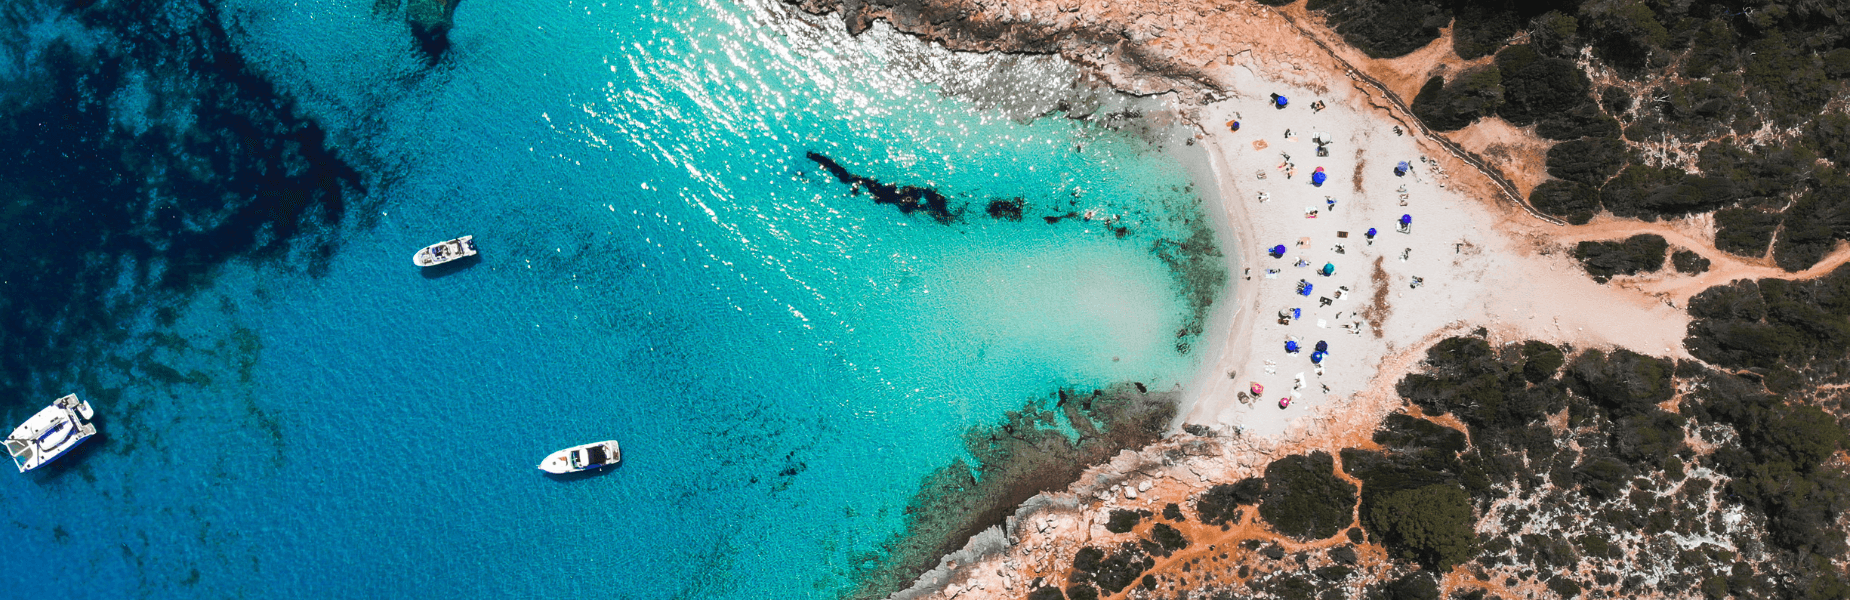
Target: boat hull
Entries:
(52, 433)
(578, 459)
(445, 251)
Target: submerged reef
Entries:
(1028, 453)
(430, 22)
(118, 211)
(908, 199)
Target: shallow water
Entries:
(781, 359)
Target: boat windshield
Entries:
(17, 447)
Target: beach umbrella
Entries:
(1278, 251)
(1318, 177)
(1323, 346)
(1402, 168)
(1371, 233)
(1316, 358)
(1280, 101)
(1297, 313)
(1233, 125)
(1291, 346)
(1406, 219)
(1304, 290)
(1284, 402)
(1329, 269)
(1258, 389)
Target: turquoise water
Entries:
(781, 359)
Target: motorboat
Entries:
(582, 458)
(51, 433)
(442, 252)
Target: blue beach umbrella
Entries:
(1406, 219)
(1401, 169)
(1291, 347)
(1317, 178)
(1316, 358)
(1297, 313)
(1278, 251)
(1328, 269)
(1371, 233)
(1323, 346)
(1280, 101)
(1304, 290)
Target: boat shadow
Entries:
(451, 268)
(583, 475)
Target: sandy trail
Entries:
(1676, 287)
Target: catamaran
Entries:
(442, 252)
(50, 433)
(582, 458)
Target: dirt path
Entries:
(1673, 286)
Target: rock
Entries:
(1144, 486)
(1130, 493)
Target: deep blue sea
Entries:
(292, 410)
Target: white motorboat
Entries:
(50, 433)
(442, 252)
(582, 458)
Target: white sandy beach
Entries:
(1483, 262)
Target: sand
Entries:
(1482, 261)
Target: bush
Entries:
(1637, 254)
(1745, 231)
(1624, 382)
(1810, 228)
(1385, 28)
(1689, 262)
(1536, 87)
(1447, 106)
(1651, 193)
(1540, 360)
(1583, 120)
(1220, 504)
(1046, 593)
(1572, 202)
(1418, 585)
(1122, 521)
(1587, 160)
(1483, 27)
(1170, 538)
(1432, 525)
(1305, 499)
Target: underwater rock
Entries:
(909, 198)
(430, 22)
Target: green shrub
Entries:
(1689, 262)
(1305, 499)
(1122, 521)
(1432, 525)
(1573, 202)
(1587, 160)
(1642, 253)
(1540, 360)
(1470, 95)
(1745, 231)
(1385, 28)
